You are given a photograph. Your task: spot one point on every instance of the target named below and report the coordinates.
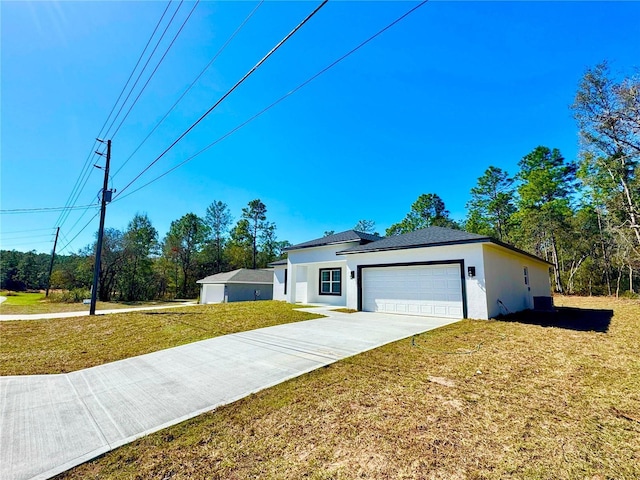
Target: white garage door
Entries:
(212, 293)
(433, 290)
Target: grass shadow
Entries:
(165, 313)
(579, 319)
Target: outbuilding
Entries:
(237, 286)
(435, 271)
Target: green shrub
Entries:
(69, 296)
(629, 294)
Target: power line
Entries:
(238, 83)
(2, 237)
(144, 68)
(155, 69)
(4, 246)
(291, 92)
(85, 171)
(115, 118)
(79, 232)
(136, 66)
(77, 222)
(45, 209)
(27, 231)
(218, 53)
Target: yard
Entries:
(473, 400)
(26, 303)
(67, 344)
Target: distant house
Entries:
(237, 286)
(431, 272)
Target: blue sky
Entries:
(424, 108)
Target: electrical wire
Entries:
(138, 78)
(154, 70)
(27, 231)
(291, 92)
(78, 220)
(115, 118)
(144, 67)
(79, 232)
(3, 245)
(136, 66)
(2, 237)
(238, 83)
(45, 209)
(215, 57)
(85, 172)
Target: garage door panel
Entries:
(416, 290)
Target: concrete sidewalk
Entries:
(50, 423)
(83, 313)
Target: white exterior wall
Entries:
(313, 284)
(211, 293)
(304, 271)
(278, 282)
(504, 271)
(471, 254)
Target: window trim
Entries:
(331, 282)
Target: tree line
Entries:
(137, 265)
(581, 216)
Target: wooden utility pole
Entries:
(106, 197)
(53, 255)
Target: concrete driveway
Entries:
(50, 423)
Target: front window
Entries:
(330, 281)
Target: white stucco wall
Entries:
(471, 254)
(278, 282)
(303, 273)
(211, 293)
(313, 284)
(504, 271)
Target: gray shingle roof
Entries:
(342, 237)
(427, 237)
(278, 262)
(243, 275)
(431, 237)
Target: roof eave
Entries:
(521, 252)
(456, 242)
(288, 249)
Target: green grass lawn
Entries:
(67, 344)
(472, 400)
(22, 303)
(20, 299)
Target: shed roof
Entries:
(337, 238)
(242, 275)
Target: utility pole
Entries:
(106, 198)
(53, 255)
